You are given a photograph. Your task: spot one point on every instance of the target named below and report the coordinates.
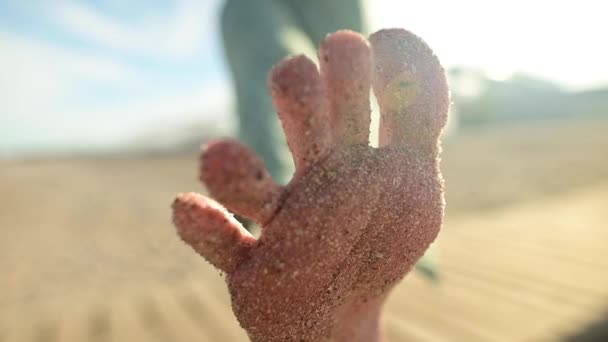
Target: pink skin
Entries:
(354, 219)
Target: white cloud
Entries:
(212, 100)
(37, 77)
(161, 121)
(39, 109)
(177, 34)
(558, 40)
(165, 117)
(40, 82)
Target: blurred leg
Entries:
(320, 17)
(257, 34)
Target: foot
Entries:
(354, 219)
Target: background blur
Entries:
(103, 106)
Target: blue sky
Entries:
(98, 73)
(95, 73)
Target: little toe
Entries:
(211, 231)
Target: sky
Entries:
(100, 73)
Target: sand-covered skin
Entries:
(354, 219)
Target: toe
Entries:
(410, 86)
(346, 70)
(236, 177)
(298, 96)
(211, 231)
